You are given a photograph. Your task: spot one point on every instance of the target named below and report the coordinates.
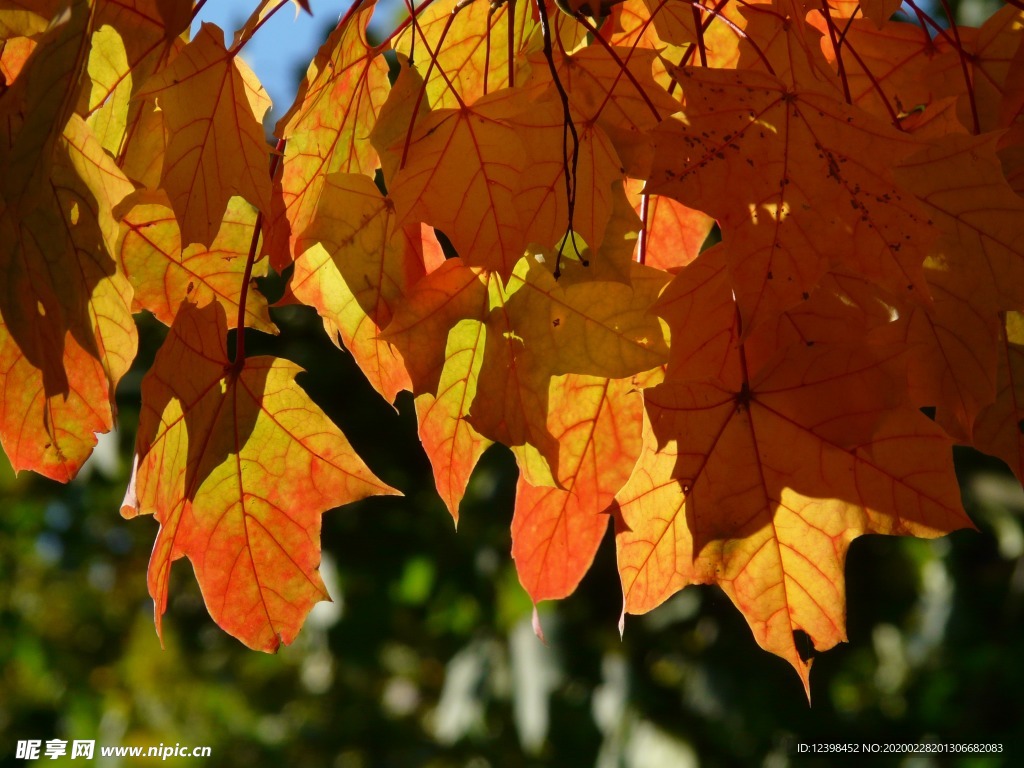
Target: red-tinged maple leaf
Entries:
(777, 39)
(327, 129)
(354, 267)
(889, 70)
(952, 347)
(800, 180)
(991, 52)
(672, 233)
(14, 53)
(541, 197)
(212, 106)
(468, 53)
(451, 443)
(760, 483)
(999, 428)
(556, 531)
(237, 464)
(164, 274)
(50, 416)
(463, 169)
(960, 182)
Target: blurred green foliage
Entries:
(426, 657)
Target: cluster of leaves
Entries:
(704, 265)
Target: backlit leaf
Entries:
(328, 127)
(237, 464)
(756, 485)
(355, 268)
(164, 274)
(556, 531)
(212, 106)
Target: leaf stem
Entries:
(701, 47)
(426, 78)
(568, 128)
(511, 18)
(256, 27)
(641, 250)
(250, 260)
(838, 48)
(195, 11)
(963, 66)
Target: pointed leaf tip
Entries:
(237, 465)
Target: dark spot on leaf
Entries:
(743, 397)
(804, 646)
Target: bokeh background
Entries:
(426, 657)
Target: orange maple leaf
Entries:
(79, 303)
(212, 106)
(798, 181)
(237, 464)
(759, 468)
(354, 267)
(556, 531)
(163, 273)
(327, 129)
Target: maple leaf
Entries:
(212, 106)
(355, 268)
(164, 274)
(672, 233)
(327, 129)
(133, 39)
(464, 167)
(33, 252)
(893, 69)
(766, 161)
(760, 466)
(53, 408)
(451, 443)
(756, 485)
(541, 197)
(237, 464)
(18, 19)
(960, 182)
(469, 52)
(556, 531)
